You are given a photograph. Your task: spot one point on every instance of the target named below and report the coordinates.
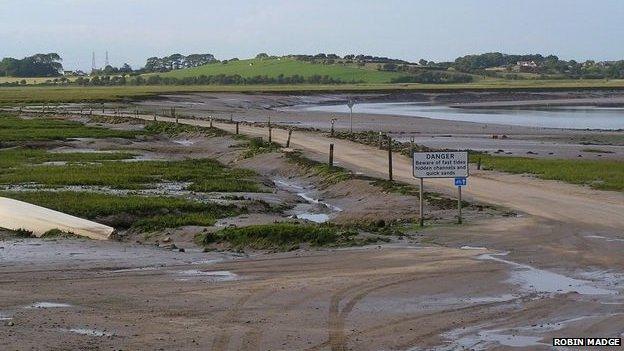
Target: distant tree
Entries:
(262, 56)
(125, 68)
(39, 65)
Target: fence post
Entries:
(389, 158)
(288, 139)
(210, 121)
(331, 155)
(479, 163)
(270, 139)
(380, 141)
(422, 192)
(154, 117)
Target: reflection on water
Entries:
(577, 117)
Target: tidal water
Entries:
(571, 117)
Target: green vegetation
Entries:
(57, 233)
(19, 129)
(280, 236)
(205, 175)
(19, 157)
(173, 129)
(143, 212)
(599, 174)
(257, 146)
(597, 151)
(330, 174)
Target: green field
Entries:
(599, 174)
(287, 67)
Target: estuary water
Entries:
(571, 117)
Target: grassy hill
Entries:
(287, 67)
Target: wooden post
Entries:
(137, 113)
(236, 128)
(389, 158)
(479, 163)
(459, 205)
(422, 192)
(331, 155)
(210, 121)
(102, 107)
(380, 141)
(270, 139)
(154, 117)
(232, 119)
(288, 139)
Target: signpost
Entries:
(350, 104)
(441, 164)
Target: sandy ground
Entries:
(507, 283)
(521, 141)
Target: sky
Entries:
(133, 30)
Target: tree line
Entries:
(177, 61)
(539, 64)
(219, 79)
(39, 65)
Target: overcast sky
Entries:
(132, 30)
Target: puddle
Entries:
(524, 336)
(418, 304)
(314, 217)
(207, 261)
(313, 210)
(483, 338)
(140, 269)
(184, 142)
(89, 332)
(211, 275)
(604, 238)
(48, 305)
(467, 247)
(542, 281)
(316, 201)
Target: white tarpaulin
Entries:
(16, 215)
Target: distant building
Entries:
(526, 64)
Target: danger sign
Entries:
(451, 164)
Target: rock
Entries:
(11, 323)
(167, 239)
(181, 250)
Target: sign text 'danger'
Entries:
(441, 164)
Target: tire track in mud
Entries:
(337, 337)
(251, 339)
(222, 341)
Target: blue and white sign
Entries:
(460, 181)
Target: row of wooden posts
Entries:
(172, 113)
